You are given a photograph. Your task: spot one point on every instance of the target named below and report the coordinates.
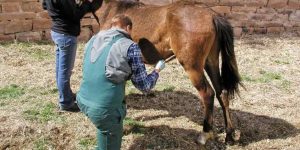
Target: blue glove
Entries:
(160, 65)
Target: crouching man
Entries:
(111, 58)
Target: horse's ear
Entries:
(149, 52)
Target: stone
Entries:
(277, 3)
(11, 7)
(6, 37)
(29, 36)
(17, 16)
(18, 26)
(41, 24)
(275, 29)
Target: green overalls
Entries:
(101, 100)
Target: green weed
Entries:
(266, 77)
(41, 144)
(133, 126)
(46, 113)
(85, 143)
(11, 91)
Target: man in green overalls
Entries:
(111, 58)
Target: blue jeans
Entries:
(66, 46)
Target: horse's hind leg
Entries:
(207, 98)
(212, 69)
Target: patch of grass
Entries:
(52, 91)
(248, 78)
(165, 87)
(41, 144)
(44, 114)
(3, 104)
(85, 143)
(269, 76)
(133, 126)
(169, 88)
(279, 62)
(40, 54)
(11, 91)
(265, 77)
(285, 84)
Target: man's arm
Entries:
(139, 77)
(76, 12)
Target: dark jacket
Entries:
(66, 14)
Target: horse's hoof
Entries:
(232, 137)
(204, 137)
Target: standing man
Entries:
(111, 58)
(66, 16)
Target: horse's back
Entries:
(185, 19)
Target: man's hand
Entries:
(160, 65)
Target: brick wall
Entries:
(25, 20)
(254, 16)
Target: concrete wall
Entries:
(25, 20)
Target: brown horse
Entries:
(196, 36)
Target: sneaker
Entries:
(73, 108)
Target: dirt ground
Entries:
(170, 118)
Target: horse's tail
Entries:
(229, 71)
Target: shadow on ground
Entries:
(253, 127)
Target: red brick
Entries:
(8, 37)
(43, 14)
(32, 7)
(222, 9)
(2, 26)
(246, 3)
(236, 23)
(85, 34)
(277, 3)
(29, 36)
(237, 32)
(40, 24)
(157, 2)
(285, 11)
(11, 7)
(46, 35)
(232, 2)
(281, 17)
(266, 10)
(275, 29)
(208, 2)
(244, 9)
(295, 4)
(293, 30)
(17, 16)
(3, 1)
(255, 3)
(293, 23)
(260, 30)
(248, 30)
(295, 16)
(238, 16)
(18, 26)
(268, 24)
(264, 17)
